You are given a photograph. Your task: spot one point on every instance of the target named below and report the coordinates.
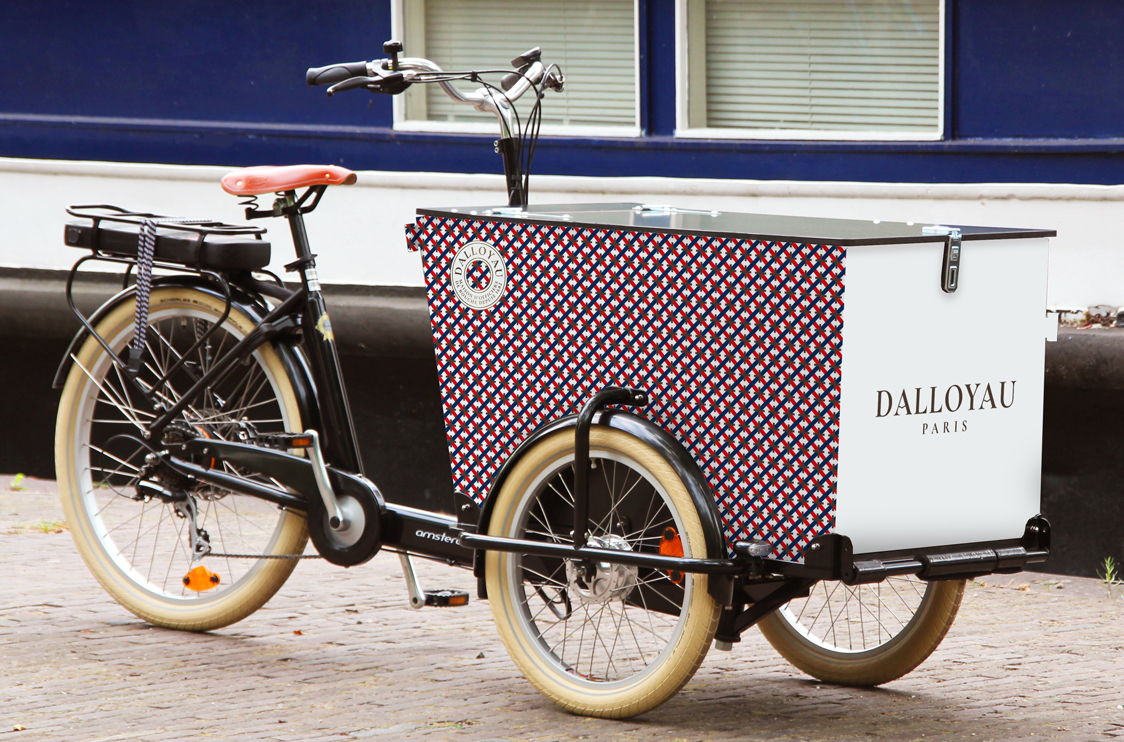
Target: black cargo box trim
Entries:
(637, 218)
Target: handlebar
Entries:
(533, 74)
(394, 75)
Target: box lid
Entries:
(664, 218)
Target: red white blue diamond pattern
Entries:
(738, 342)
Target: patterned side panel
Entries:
(738, 342)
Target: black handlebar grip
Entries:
(334, 73)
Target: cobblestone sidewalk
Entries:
(336, 655)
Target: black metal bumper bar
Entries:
(936, 566)
(567, 551)
(830, 557)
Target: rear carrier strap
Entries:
(146, 253)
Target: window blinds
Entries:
(593, 41)
(842, 65)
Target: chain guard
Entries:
(361, 501)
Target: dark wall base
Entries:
(401, 429)
(28, 405)
(1083, 478)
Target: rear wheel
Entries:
(867, 634)
(600, 639)
(139, 548)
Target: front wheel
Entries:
(864, 635)
(138, 545)
(601, 639)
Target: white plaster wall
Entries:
(358, 230)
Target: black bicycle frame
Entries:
(342, 445)
(304, 308)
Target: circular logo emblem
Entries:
(478, 275)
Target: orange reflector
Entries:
(671, 545)
(200, 579)
(305, 442)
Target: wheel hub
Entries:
(600, 582)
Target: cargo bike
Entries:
(665, 425)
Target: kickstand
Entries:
(417, 596)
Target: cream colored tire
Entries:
(139, 551)
(864, 635)
(601, 651)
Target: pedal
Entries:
(446, 598)
(421, 598)
(285, 441)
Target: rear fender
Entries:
(293, 360)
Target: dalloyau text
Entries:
(934, 400)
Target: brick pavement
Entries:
(1019, 664)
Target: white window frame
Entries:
(682, 104)
(401, 123)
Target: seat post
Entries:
(338, 428)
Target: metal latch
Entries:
(950, 266)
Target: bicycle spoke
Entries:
(616, 629)
(856, 619)
(148, 538)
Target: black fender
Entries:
(672, 451)
(254, 307)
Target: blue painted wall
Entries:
(1035, 94)
(207, 60)
(1036, 68)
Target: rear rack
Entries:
(221, 254)
(200, 244)
(110, 213)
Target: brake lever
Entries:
(352, 83)
(392, 84)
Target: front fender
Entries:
(659, 439)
